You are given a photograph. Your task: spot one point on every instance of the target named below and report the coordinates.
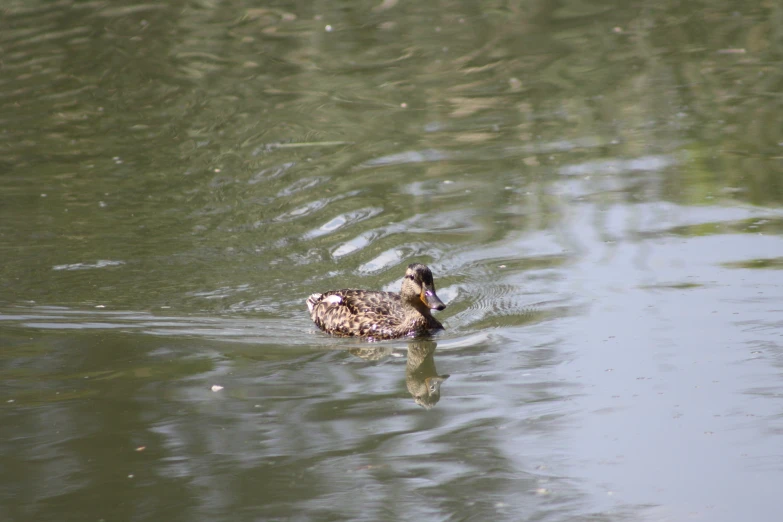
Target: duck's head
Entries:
(418, 288)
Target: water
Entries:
(596, 189)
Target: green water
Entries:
(596, 186)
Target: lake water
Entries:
(597, 188)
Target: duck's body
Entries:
(380, 315)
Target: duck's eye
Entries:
(410, 276)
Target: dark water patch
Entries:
(685, 285)
(775, 263)
(747, 226)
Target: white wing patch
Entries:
(333, 300)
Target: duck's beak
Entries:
(431, 299)
(433, 383)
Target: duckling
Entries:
(380, 315)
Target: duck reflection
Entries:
(421, 377)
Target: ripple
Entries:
(420, 224)
(464, 220)
(353, 245)
(220, 293)
(366, 238)
(492, 291)
(312, 206)
(304, 210)
(433, 187)
(47, 36)
(493, 299)
(114, 12)
(102, 263)
(300, 185)
(384, 260)
(410, 156)
(615, 166)
(270, 173)
(253, 330)
(343, 220)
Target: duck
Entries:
(376, 315)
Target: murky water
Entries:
(596, 188)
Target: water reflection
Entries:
(421, 377)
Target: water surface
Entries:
(597, 189)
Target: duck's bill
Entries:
(431, 299)
(433, 383)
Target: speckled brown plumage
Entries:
(380, 315)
